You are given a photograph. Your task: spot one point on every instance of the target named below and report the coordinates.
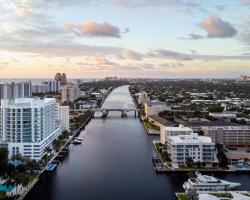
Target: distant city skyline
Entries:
(124, 38)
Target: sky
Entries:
(125, 38)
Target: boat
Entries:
(104, 114)
(77, 140)
(124, 113)
(208, 183)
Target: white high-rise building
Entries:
(70, 93)
(198, 148)
(63, 116)
(15, 90)
(167, 131)
(47, 86)
(54, 86)
(28, 126)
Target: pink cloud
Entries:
(216, 27)
(94, 29)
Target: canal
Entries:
(113, 163)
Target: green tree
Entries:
(191, 174)
(223, 161)
(215, 108)
(20, 179)
(3, 161)
(57, 145)
(189, 162)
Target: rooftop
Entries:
(180, 128)
(25, 102)
(161, 120)
(245, 127)
(208, 123)
(193, 138)
(156, 102)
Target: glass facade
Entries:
(28, 125)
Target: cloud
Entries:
(98, 63)
(97, 60)
(171, 64)
(195, 36)
(49, 41)
(163, 53)
(4, 63)
(246, 2)
(57, 49)
(244, 34)
(245, 37)
(94, 29)
(130, 54)
(192, 36)
(220, 7)
(147, 66)
(168, 54)
(115, 3)
(217, 28)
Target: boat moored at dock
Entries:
(77, 140)
(208, 183)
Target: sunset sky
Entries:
(125, 38)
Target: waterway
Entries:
(113, 163)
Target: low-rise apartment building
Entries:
(198, 148)
(154, 107)
(230, 136)
(167, 131)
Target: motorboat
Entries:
(208, 183)
(77, 140)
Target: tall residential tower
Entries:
(28, 125)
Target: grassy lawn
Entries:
(151, 125)
(182, 197)
(164, 155)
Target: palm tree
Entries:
(21, 179)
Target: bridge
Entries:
(105, 111)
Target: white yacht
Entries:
(77, 140)
(208, 183)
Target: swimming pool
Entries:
(6, 188)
